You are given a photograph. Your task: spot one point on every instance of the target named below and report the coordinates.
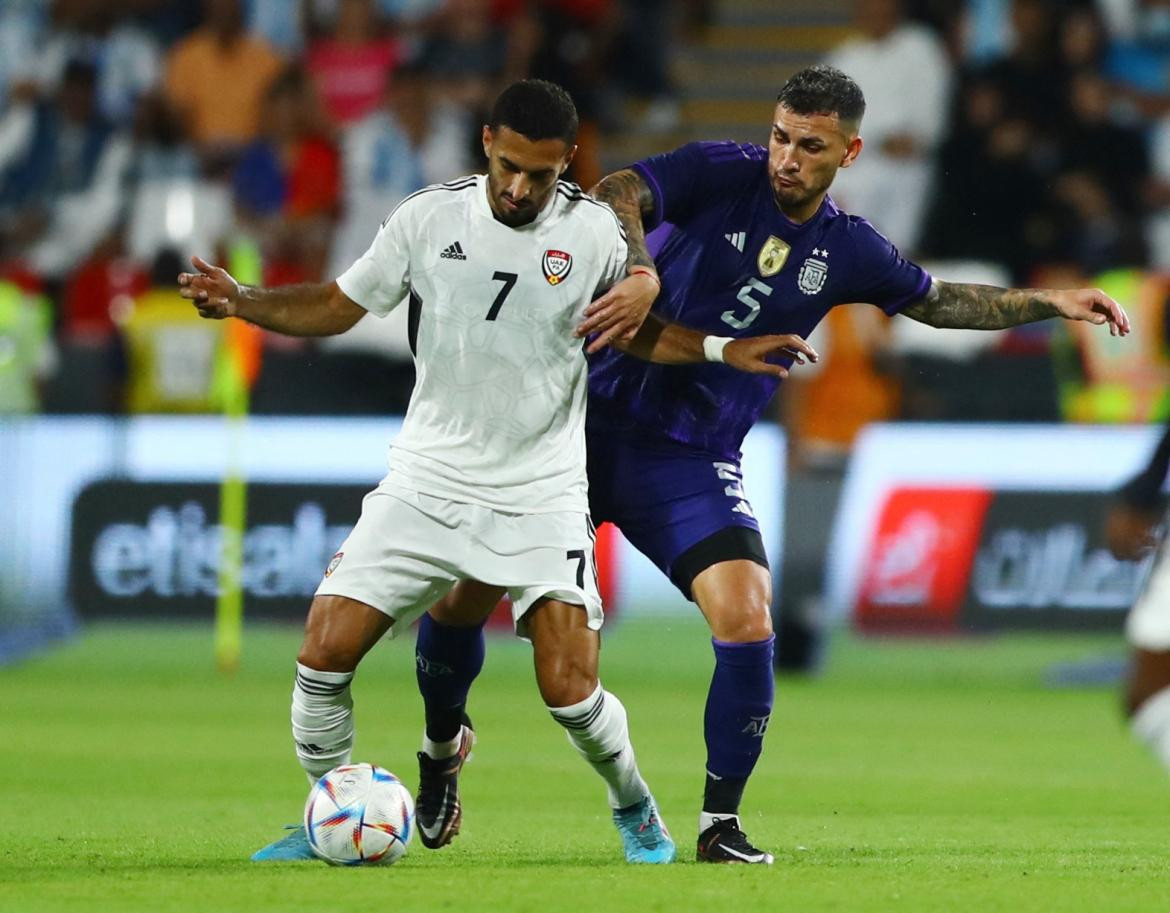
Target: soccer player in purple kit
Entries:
(748, 242)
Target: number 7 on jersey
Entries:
(509, 280)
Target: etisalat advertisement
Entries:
(120, 518)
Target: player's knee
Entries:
(743, 617)
(324, 650)
(326, 657)
(744, 627)
(1149, 675)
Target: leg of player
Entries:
(338, 633)
(735, 597)
(449, 654)
(565, 654)
(1147, 701)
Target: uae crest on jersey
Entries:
(812, 276)
(772, 256)
(556, 265)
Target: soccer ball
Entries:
(358, 814)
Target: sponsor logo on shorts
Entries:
(333, 562)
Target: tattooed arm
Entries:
(617, 315)
(985, 307)
(632, 200)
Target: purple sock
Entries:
(739, 705)
(447, 660)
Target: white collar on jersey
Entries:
(484, 207)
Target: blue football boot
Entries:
(644, 836)
(292, 847)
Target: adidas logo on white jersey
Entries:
(737, 239)
(454, 252)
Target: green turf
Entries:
(911, 776)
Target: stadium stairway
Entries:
(728, 74)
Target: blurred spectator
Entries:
(217, 76)
(1031, 75)
(286, 184)
(471, 49)
(125, 57)
(62, 171)
(170, 350)
(27, 354)
(1102, 173)
(412, 139)
(289, 170)
(570, 45)
(351, 64)
(171, 204)
(990, 199)
(21, 30)
(1119, 380)
(644, 66)
(903, 70)
(279, 22)
(850, 386)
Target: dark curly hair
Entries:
(536, 109)
(823, 90)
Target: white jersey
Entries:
(497, 416)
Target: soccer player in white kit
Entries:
(487, 476)
(1133, 529)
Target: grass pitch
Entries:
(910, 776)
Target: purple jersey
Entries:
(732, 264)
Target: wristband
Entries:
(645, 271)
(713, 347)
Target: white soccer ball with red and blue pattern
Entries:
(359, 814)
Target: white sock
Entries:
(597, 728)
(706, 819)
(440, 750)
(322, 720)
(1151, 724)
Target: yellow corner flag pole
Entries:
(236, 368)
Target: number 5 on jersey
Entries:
(509, 280)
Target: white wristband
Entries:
(713, 347)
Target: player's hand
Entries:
(753, 353)
(1130, 533)
(1093, 305)
(618, 314)
(213, 290)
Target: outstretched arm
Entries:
(309, 309)
(986, 307)
(671, 344)
(619, 313)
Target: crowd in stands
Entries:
(273, 136)
(1008, 141)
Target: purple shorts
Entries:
(684, 511)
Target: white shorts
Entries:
(1148, 624)
(408, 549)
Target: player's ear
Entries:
(852, 150)
(568, 159)
(487, 141)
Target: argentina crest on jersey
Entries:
(556, 265)
(813, 272)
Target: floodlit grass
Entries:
(913, 776)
